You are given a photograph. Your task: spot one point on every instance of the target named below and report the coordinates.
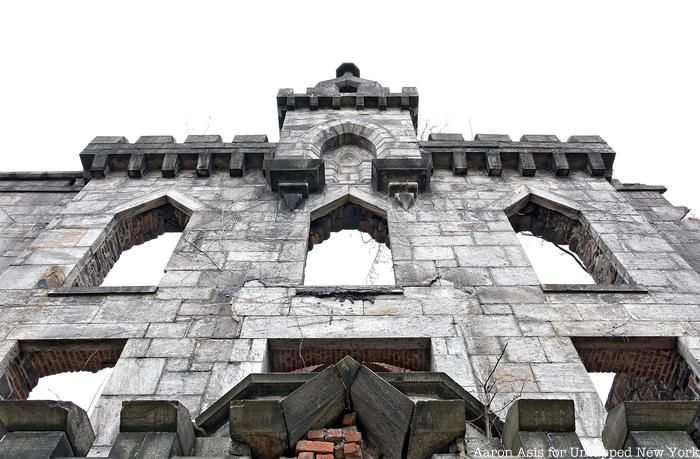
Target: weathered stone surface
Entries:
(47, 416)
(235, 278)
(386, 412)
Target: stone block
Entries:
(205, 164)
(237, 164)
(434, 425)
(559, 165)
(171, 165)
(384, 412)
(135, 376)
(678, 416)
(35, 445)
(137, 167)
(259, 424)
(526, 164)
(157, 417)
(65, 418)
(314, 405)
(492, 162)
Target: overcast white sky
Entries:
(628, 71)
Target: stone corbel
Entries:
(295, 178)
(404, 192)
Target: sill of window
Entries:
(348, 290)
(116, 290)
(593, 288)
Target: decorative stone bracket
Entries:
(387, 170)
(295, 178)
(404, 192)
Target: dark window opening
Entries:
(69, 369)
(381, 355)
(126, 232)
(546, 234)
(365, 254)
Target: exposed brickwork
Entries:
(413, 355)
(337, 443)
(37, 359)
(646, 368)
(125, 234)
(349, 217)
(562, 230)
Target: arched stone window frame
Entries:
(568, 208)
(180, 201)
(330, 201)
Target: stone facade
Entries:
(348, 157)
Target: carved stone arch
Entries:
(562, 222)
(330, 135)
(348, 208)
(134, 222)
(526, 194)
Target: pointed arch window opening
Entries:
(560, 246)
(147, 239)
(357, 251)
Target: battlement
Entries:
(489, 153)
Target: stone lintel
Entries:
(106, 290)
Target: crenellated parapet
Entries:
(203, 153)
(348, 91)
(492, 153)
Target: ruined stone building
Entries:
(231, 354)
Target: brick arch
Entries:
(327, 136)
